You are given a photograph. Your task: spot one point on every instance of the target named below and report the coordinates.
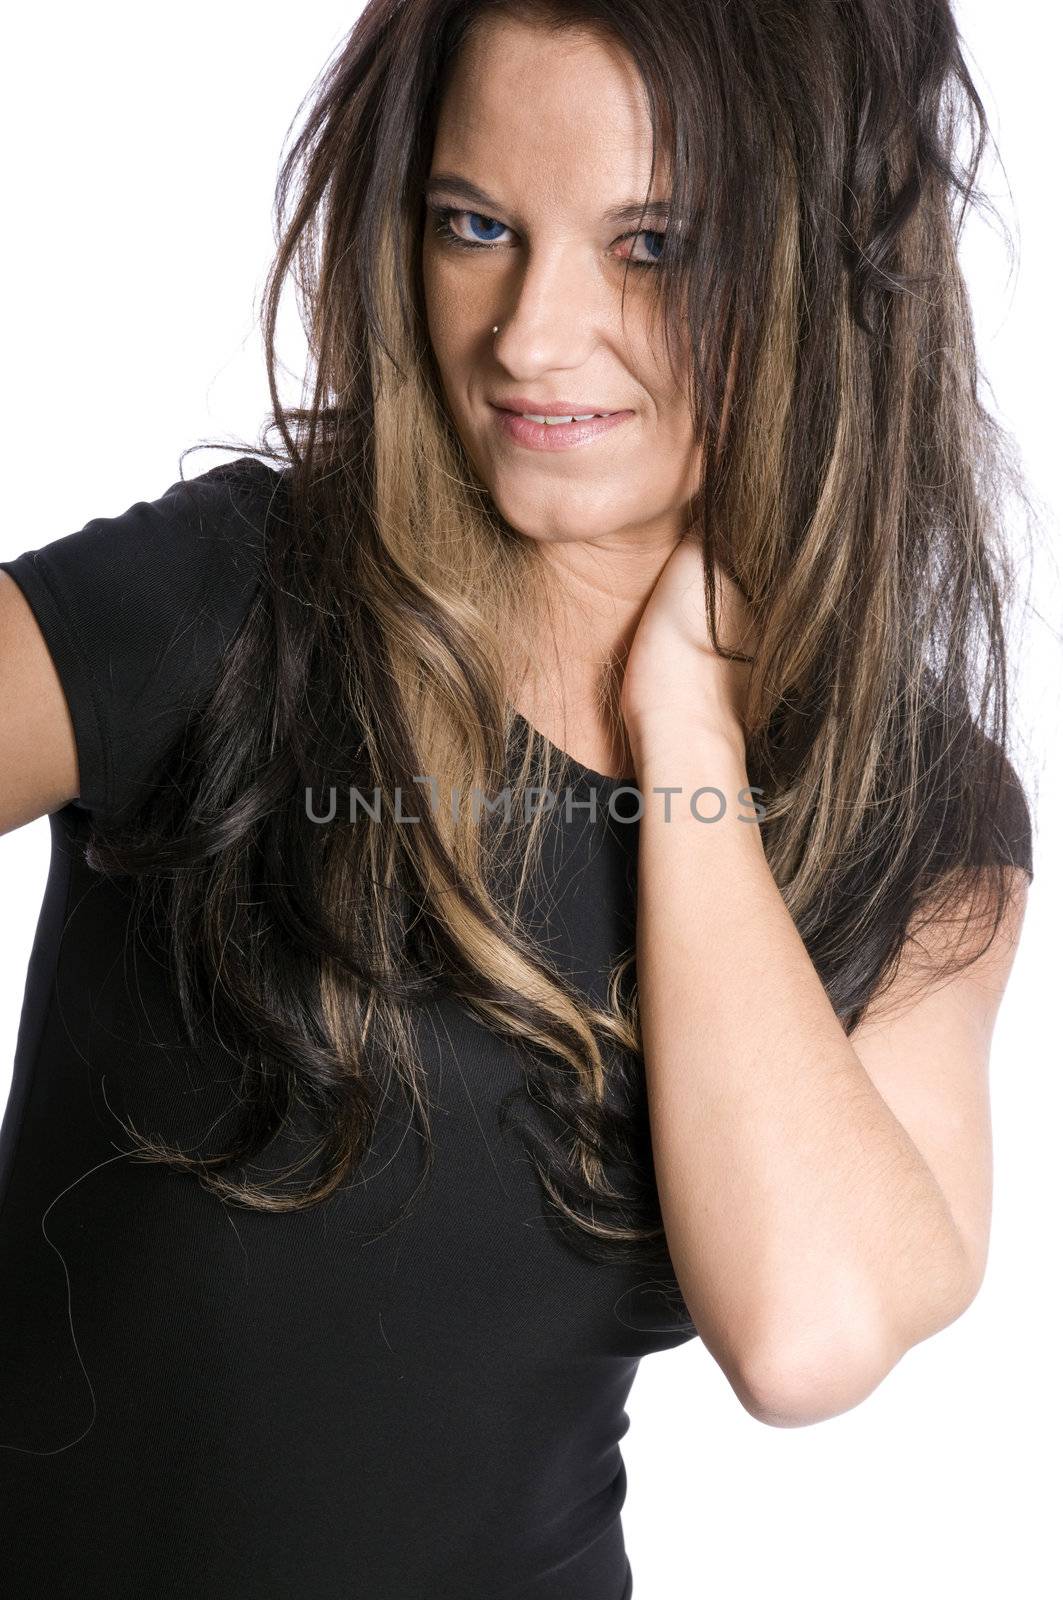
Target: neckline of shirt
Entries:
(585, 774)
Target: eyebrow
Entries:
(628, 211)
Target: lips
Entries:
(554, 408)
(521, 430)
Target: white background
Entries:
(141, 146)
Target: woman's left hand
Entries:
(674, 679)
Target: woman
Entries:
(458, 1172)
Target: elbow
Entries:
(789, 1384)
(790, 1381)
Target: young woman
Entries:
(637, 546)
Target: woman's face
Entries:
(541, 142)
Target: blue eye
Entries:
(656, 248)
(487, 231)
(480, 225)
(478, 221)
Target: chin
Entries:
(558, 518)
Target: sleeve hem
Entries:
(45, 597)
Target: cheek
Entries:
(674, 419)
(444, 302)
(438, 304)
(665, 381)
(455, 331)
(453, 293)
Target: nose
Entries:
(553, 314)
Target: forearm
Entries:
(809, 1237)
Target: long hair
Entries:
(823, 155)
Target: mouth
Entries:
(556, 427)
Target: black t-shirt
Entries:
(204, 1400)
(368, 1400)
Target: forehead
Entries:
(532, 115)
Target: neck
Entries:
(569, 686)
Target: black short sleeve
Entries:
(136, 610)
(1012, 825)
(962, 759)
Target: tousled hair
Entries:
(854, 491)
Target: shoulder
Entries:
(974, 804)
(195, 523)
(137, 608)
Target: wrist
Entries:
(687, 744)
(696, 771)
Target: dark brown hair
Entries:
(822, 156)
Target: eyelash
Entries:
(445, 232)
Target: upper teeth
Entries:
(551, 421)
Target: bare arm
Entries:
(38, 755)
(825, 1198)
(820, 1222)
